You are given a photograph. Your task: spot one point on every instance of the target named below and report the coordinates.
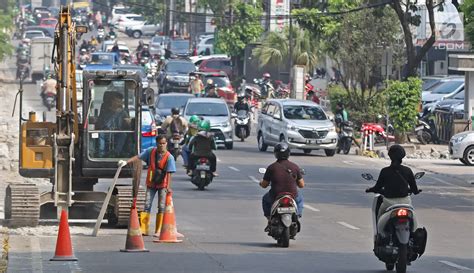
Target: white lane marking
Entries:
(348, 225)
(311, 208)
(234, 169)
(350, 162)
(447, 183)
(36, 259)
(460, 267)
(254, 179)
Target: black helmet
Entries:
(396, 153)
(174, 111)
(241, 96)
(281, 151)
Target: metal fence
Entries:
(447, 125)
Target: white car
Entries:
(147, 29)
(197, 60)
(32, 34)
(129, 20)
(205, 43)
(116, 12)
(461, 146)
(107, 45)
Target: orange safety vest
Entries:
(152, 169)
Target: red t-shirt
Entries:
(283, 175)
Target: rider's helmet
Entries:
(241, 96)
(266, 75)
(26, 41)
(174, 111)
(396, 153)
(281, 151)
(209, 82)
(194, 120)
(205, 125)
(83, 51)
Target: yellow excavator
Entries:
(81, 146)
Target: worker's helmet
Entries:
(205, 125)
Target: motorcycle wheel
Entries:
(242, 134)
(389, 266)
(347, 146)
(402, 258)
(175, 154)
(423, 137)
(285, 238)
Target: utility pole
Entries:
(290, 50)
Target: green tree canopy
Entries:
(7, 13)
(468, 9)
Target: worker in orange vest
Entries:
(161, 165)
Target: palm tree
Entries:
(275, 49)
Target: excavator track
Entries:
(22, 205)
(123, 202)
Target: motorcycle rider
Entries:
(145, 52)
(23, 64)
(202, 145)
(210, 90)
(84, 57)
(192, 131)
(266, 80)
(174, 124)
(395, 181)
(283, 176)
(84, 45)
(112, 33)
(48, 87)
(241, 104)
(341, 115)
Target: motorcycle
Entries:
(266, 88)
(381, 135)
(426, 131)
(152, 69)
(346, 134)
(100, 35)
(397, 240)
(282, 91)
(242, 124)
(284, 223)
(175, 145)
(49, 100)
(144, 60)
(202, 175)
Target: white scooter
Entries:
(397, 240)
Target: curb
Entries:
(441, 174)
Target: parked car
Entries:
(431, 81)
(216, 65)
(32, 34)
(450, 102)
(444, 90)
(128, 20)
(461, 146)
(48, 22)
(165, 102)
(222, 82)
(204, 44)
(158, 44)
(218, 113)
(174, 76)
(147, 29)
(136, 69)
(300, 123)
(101, 61)
(178, 48)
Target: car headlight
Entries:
(292, 127)
(459, 138)
(226, 124)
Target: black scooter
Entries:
(242, 124)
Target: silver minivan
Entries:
(300, 123)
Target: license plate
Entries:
(419, 128)
(313, 141)
(182, 84)
(286, 210)
(203, 167)
(175, 141)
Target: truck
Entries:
(41, 51)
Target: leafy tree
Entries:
(7, 13)
(152, 10)
(275, 49)
(468, 9)
(402, 100)
(232, 39)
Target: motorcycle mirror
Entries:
(419, 175)
(303, 171)
(262, 170)
(255, 80)
(367, 176)
(233, 115)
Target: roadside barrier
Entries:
(63, 243)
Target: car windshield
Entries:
(305, 112)
(179, 45)
(168, 102)
(219, 81)
(102, 59)
(31, 35)
(139, 70)
(429, 83)
(207, 109)
(180, 67)
(447, 87)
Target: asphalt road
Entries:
(223, 225)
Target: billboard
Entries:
(279, 12)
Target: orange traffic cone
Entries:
(159, 223)
(134, 241)
(168, 232)
(63, 243)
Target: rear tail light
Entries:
(285, 201)
(149, 134)
(203, 160)
(402, 213)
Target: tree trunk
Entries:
(400, 137)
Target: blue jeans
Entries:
(150, 195)
(267, 202)
(185, 153)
